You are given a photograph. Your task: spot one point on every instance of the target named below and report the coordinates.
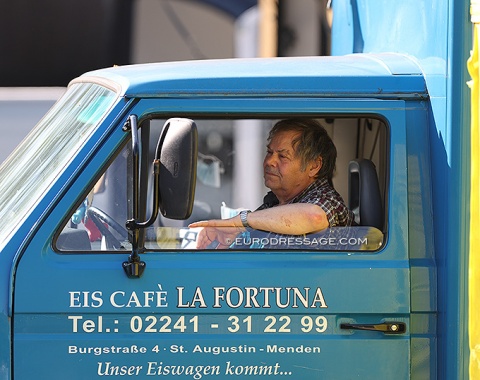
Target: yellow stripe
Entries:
(474, 258)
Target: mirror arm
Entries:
(134, 267)
(132, 224)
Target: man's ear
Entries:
(314, 167)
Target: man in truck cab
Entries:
(298, 169)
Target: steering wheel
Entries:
(99, 218)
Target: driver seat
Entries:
(364, 197)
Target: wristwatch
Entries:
(243, 218)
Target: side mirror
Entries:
(177, 151)
(174, 172)
(174, 177)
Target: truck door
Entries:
(342, 304)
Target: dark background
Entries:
(49, 42)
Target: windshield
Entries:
(32, 168)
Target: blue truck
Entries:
(100, 275)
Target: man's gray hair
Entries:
(313, 142)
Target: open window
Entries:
(229, 179)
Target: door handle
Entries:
(385, 327)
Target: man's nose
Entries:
(269, 160)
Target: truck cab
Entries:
(100, 271)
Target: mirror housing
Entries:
(174, 178)
(177, 152)
(174, 173)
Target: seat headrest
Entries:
(364, 197)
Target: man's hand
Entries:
(225, 236)
(224, 231)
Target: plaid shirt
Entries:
(320, 193)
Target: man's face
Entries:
(282, 168)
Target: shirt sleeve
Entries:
(331, 202)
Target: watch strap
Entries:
(243, 218)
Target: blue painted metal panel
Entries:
(63, 325)
(386, 76)
(418, 28)
(438, 35)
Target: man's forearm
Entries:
(291, 219)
